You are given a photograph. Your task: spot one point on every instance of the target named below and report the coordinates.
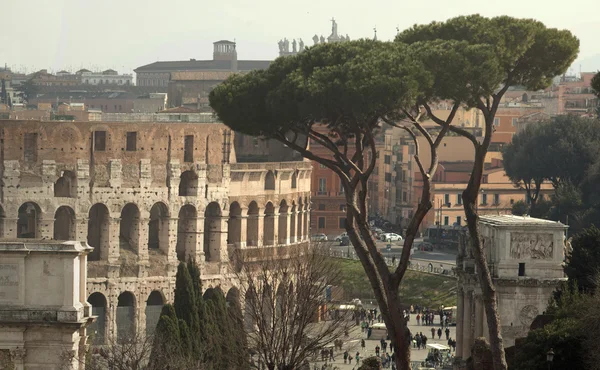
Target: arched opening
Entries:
(186, 231)
(280, 301)
(249, 313)
(234, 226)
(64, 224)
(270, 181)
(125, 317)
(98, 232)
(208, 294)
(212, 232)
(300, 231)
(158, 227)
(233, 297)
(295, 180)
(129, 228)
(252, 225)
(188, 184)
(305, 217)
(269, 225)
(154, 305)
(283, 225)
(66, 185)
(293, 224)
(97, 329)
(28, 223)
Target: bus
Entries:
(443, 235)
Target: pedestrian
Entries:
(345, 356)
(424, 344)
(331, 358)
(369, 331)
(357, 358)
(418, 319)
(419, 340)
(349, 359)
(432, 333)
(440, 333)
(447, 332)
(362, 343)
(450, 343)
(377, 351)
(384, 346)
(393, 260)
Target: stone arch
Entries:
(249, 307)
(98, 232)
(212, 232)
(305, 217)
(234, 226)
(270, 181)
(295, 179)
(188, 184)
(66, 185)
(158, 227)
(187, 232)
(97, 329)
(125, 316)
(280, 300)
(269, 225)
(129, 227)
(29, 220)
(64, 223)
(300, 212)
(283, 224)
(233, 296)
(209, 294)
(252, 225)
(154, 305)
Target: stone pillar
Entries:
(478, 317)
(143, 238)
(243, 229)
(467, 324)
(198, 252)
(81, 228)
(459, 322)
(223, 253)
(171, 235)
(306, 221)
(10, 228)
(113, 240)
(288, 221)
(45, 227)
(275, 229)
(261, 230)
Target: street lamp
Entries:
(550, 358)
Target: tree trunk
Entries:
(485, 279)
(399, 335)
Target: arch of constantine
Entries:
(146, 196)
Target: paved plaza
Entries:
(352, 345)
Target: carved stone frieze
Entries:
(534, 246)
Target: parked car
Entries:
(318, 238)
(345, 240)
(424, 246)
(391, 237)
(339, 237)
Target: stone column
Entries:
(293, 226)
(243, 229)
(223, 254)
(275, 229)
(171, 235)
(198, 252)
(288, 221)
(478, 317)
(467, 324)
(45, 227)
(261, 230)
(81, 228)
(113, 240)
(143, 238)
(459, 322)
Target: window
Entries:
(30, 147)
(404, 196)
(446, 220)
(458, 220)
(321, 207)
(343, 207)
(496, 199)
(514, 121)
(321, 165)
(322, 186)
(387, 159)
(342, 222)
(521, 269)
(446, 199)
(496, 121)
(388, 177)
(321, 223)
(99, 141)
(459, 198)
(341, 189)
(484, 198)
(131, 141)
(188, 148)
(512, 201)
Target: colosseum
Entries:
(145, 196)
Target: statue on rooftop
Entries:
(294, 46)
(315, 39)
(286, 45)
(300, 45)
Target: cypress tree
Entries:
(166, 344)
(199, 335)
(239, 358)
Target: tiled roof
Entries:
(194, 65)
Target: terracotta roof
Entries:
(200, 76)
(195, 65)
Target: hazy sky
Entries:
(125, 34)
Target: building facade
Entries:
(145, 196)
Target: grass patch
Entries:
(426, 290)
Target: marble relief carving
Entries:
(534, 246)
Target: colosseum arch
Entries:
(129, 227)
(270, 181)
(188, 184)
(125, 316)
(233, 297)
(187, 232)
(252, 225)
(212, 232)
(300, 212)
(269, 225)
(293, 223)
(158, 227)
(97, 329)
(66, 185)
(283, 226)
(154, 305)
(98, 236)
(29, 220)
(295, 179)
(249, 307)
(64, 223)
(234, 225)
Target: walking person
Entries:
(440, 333)
(362, 344)
(345, 356)
(357, 358)
(447, 333)
(418, 319)
(419, 340)
(384, 346)
(331, 358)
(377, 351)
(432, 333)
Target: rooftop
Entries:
(195, 65)
(512, 220)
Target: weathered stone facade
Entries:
(146, 196)
(525, 258)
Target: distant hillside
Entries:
(589, 64)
